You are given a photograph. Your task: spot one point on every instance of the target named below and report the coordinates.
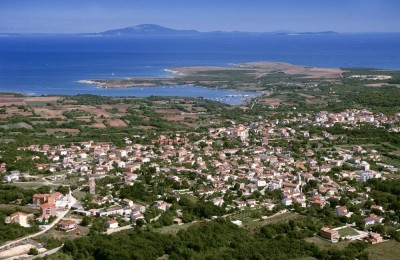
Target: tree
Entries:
(33, 251)
(86, 221)
(140, 222)
(63, 189)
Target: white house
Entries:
(13, 176)
(112, 224)
(365, 176)
(261, 183)
(162, 205)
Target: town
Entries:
(266, 168)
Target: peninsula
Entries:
(245, 76)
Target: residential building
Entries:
(20, 218)
(374, 238)
(373, 219)
(342, 211)
(39, 199)
(13, 176)
(67, 225)
(48, 210)
(111, 224)
(330, 234)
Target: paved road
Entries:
(48, 227)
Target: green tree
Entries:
(33, 251)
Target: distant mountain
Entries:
(325, 32)
(154, 30)
(157, 30)
(147, 29)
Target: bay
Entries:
(53, 65)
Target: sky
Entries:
(79, 16)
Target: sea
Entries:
(53, 65)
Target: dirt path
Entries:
(110, 231)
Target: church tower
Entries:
(92, 186)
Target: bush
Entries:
(33, 251)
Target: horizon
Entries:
(74, 16)
(194, 29)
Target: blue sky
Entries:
(68, 16)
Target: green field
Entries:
(80, 195)
(173, 229)
(326, 245)
(33, 185)
(385, 250)
(253, 223)
(347, 232)
(16, 207)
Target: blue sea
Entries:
(53, 65)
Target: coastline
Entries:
(243, 76)
(230, 97)
(171, 71)
(100, 84)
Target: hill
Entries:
(154, 30)
(147, 29)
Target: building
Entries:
(111, 224)
(48, 210)
(13, 176)
(127, 202)
(373, 219)
(92, 186)
(365, 176)
(67, 225)
(374, 238)
(342, 211)
(162, 205)
(136, 215)
(178, 221)
(20, 218)
(112, 211)
(39, 199)
(330, 234)
(377, 207)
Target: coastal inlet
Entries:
(227, 96)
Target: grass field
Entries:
(325, 245)
(393, 175)
(306, 258)
(79, 195)
(32, 185)
(385, 250)
(16, 207)
(252, 223)
(61, 235)
(390, 161)
(173, 229)
(347, 232)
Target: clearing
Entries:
(386, 250)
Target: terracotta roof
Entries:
(47, 205)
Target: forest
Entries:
(219, 239)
